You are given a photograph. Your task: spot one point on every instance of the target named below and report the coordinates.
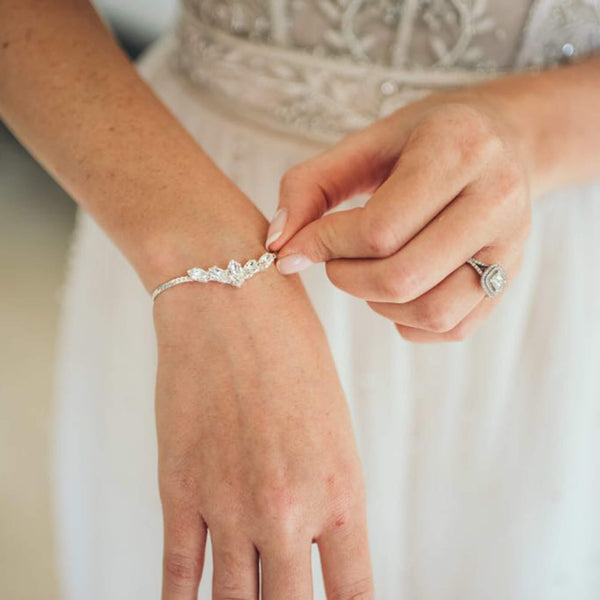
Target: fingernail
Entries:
(276, 226)
(292, 264)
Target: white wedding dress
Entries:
(481, 458)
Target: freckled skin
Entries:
(452, 177)
(246, 439)
(264, 457)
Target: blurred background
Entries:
(36, 219)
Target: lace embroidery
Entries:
(558, 31)
(326, 67)
(320, 97)
(386, 32)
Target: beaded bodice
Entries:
(330, 66)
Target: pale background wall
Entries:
(36, 218)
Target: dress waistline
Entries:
(322, 98)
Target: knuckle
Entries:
(474, 138)
(293, 176)
(378, 234)
(435, 317)
(308, 177)
(360, 589)
(181, 569)
(388, 289)
(477, 141)
(278, 512)
(476, 147)
(400, 284)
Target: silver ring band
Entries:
(492, 277)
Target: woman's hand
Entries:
(255, 445)
(448, 183)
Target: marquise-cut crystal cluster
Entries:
(235, 274)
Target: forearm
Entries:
(555, 117)
(74, 99)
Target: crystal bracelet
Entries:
(235, 274)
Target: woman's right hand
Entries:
(255, 445)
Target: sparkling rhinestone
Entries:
(236, 274)
(266, 260)
(568, 49)
(497, 280)
(198, 274)
(251, 267)
(388, 88)
(217, 274)
(234, 268)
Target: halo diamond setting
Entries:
(493, 277)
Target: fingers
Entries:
(429, 173)
(286, 571)
(183, 557)
(356, 165)
(235, 566)
(439, 309)
(458, 333)
(444, 306)
(436, 317)
(417, 190)
(447, 242)
(400, 208)
(345, 560)
(483, 212)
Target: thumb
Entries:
(311, 188)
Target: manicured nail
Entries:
(276, 226)
(292, 264)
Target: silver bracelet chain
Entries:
(235, 274)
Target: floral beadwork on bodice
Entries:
(384, 32)
(331, 66)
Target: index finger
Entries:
(427, 177)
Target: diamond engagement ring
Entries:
(492, 277)
(235, 274)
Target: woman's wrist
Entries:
(194, 229)
(172, 253)
(551, 118)
(513, 102)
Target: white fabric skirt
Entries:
(481, 458)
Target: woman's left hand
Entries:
(448, 183)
